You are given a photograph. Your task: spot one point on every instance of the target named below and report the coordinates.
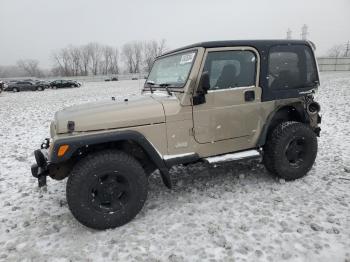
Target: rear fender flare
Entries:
(282, 112)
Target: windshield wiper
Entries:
(150, 84)
(166, 86)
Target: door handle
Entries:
(249, 95)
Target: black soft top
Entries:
(260, 45)
(263, 47)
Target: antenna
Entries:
(289, 33)
(304, 32)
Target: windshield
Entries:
(172, 70)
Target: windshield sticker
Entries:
(188, 58)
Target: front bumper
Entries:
(40, 169)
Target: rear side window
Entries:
(230, 69)
(291, 67)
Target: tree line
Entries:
(93, 59)
(340, 50)
(97, 59)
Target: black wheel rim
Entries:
(110, 192)
(296, 151)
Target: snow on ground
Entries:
(229, 212)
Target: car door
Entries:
(233, 99)
(21, 86)
(27, 86)
(57, 84)
(30, 86)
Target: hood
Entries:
(111, 114)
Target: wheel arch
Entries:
(131, 142)
(289, 112)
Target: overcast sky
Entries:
(34, 28)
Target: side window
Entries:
(311, 70)
(230, 69)
(291, 67)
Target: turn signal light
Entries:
(62, 150)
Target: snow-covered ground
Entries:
(229, 212)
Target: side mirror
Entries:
(204, 86)
(204, 83)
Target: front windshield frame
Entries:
(195, 51)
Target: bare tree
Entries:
(63, 62)
(95, 59)
(162, 47)
(106, 63)
(128, 57)
(75, 56)
(336, 51)
(114, 68)
(152, 49)
(85, 60)
(91, 58)
(30, 66)
(132, 55)
(95, 54)
(137, 48)
(58, 68)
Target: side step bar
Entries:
(234, 156)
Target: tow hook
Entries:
(40, 168)
(45, 144)
(42, 181)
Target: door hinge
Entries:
(192, 132)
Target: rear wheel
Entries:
(290, 150)
(39, 88)
(15, 89)
(106, 189)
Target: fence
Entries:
(333, 63)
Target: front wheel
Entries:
(290, 150)
(106, 189)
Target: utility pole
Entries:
(347, 49)
(289, 34)
(304, 32)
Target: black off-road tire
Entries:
(290, 150)
(84, 183)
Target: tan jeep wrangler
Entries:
(212, 101)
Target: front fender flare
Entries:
(77, 142)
